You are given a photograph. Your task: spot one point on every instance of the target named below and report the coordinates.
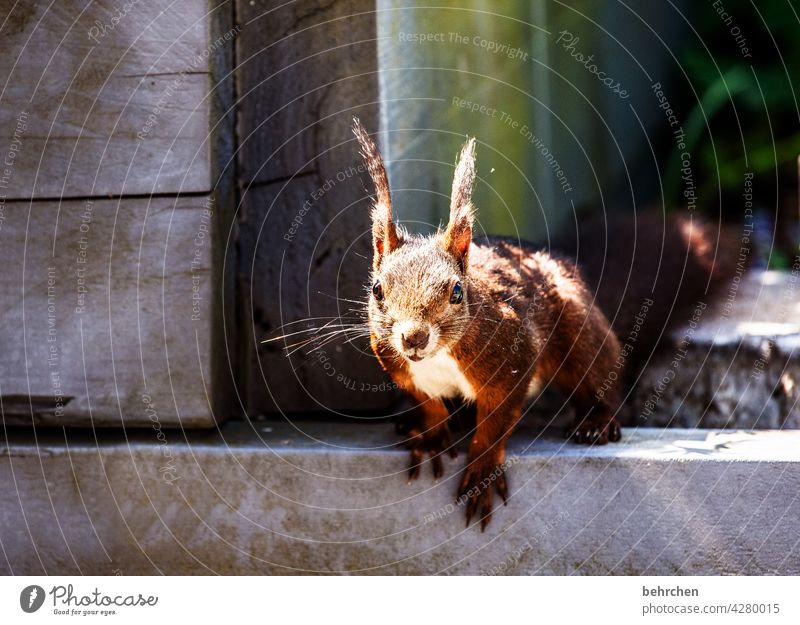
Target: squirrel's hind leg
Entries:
(594, 423)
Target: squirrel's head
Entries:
(419, 291)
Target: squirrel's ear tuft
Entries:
(384, 233)
(458, 236)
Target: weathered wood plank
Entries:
(305, 258)
(111, 313)
(107, 97)
(304, 70)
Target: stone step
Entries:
(332, 497)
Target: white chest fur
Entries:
(440, 376)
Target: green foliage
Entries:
(742, 112)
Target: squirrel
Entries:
(489, 321)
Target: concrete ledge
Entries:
(300, 498)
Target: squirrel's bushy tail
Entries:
(651, 272)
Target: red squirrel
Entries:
(493, 321)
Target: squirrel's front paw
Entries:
(480, 479)
(433, 442)
(595, 431)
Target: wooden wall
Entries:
(115, 209)
(155, 243)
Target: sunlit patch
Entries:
(788, 384)
(770, 278)
(767, 328)
(564, 281)
(695, 236)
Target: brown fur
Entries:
(384, 232)
(524, 315)
(673, 260)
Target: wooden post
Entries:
(304, 70)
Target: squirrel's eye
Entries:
(457, 295)
(377, 290)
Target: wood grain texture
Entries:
(113, 96)
(299, 263)
(111, 310)
(304, 70)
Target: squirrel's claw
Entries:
(432, 443)
(502, 488)
(438, 469)
(477, 489)
(472, 503)
(414, 465)
(595, 430)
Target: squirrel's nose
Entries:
(416, 339)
